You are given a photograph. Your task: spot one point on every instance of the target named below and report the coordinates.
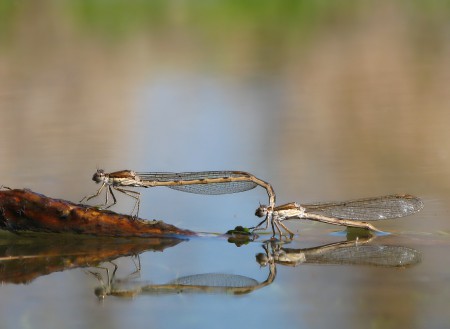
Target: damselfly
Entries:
(202, 182)
(353, 213)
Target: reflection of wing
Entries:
(389, 256)
(216, 280)
(384, 207)
(209, 283)
(203, 187)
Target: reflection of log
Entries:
(26, 257)
(24, 210)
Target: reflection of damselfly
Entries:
(351, 213)
(203, 182)
(198, 283)
(352, 252)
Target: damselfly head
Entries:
(100, 292)
(99, 176)
(261, 211)
(262, 259)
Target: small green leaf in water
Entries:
(240, 230)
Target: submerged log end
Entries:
(24, 210)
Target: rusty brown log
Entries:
(24, 210)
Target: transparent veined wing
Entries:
(375, 208)
(200, 184)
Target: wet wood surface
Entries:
(25, 210)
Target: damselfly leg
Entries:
(134, 194)
(89, 197)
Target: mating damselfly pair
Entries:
(353, 213)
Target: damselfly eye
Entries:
(262, 259)
(261, 211)
(98, 176)
(100, 292)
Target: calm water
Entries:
(325, 103)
